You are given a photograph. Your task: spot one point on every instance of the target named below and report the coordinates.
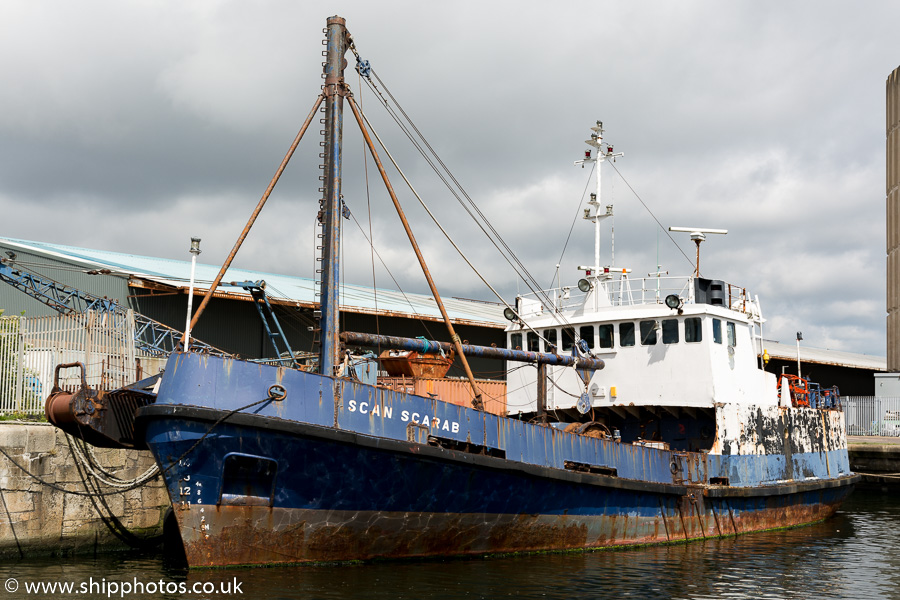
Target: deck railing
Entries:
(625, 291)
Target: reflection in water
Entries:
(853, 555)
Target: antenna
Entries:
(659, 273)
(698, 235)
(604, 152)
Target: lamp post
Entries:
(195, 250)
(799, 337)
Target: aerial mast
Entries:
(592, 213)
(338, 41)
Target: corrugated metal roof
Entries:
(825, 356)
(300, 290)
(15, 302)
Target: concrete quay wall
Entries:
(38, 520)
(877, 459)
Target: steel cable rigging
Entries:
(459, 193)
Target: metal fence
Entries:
(31, 347)
(868, 415)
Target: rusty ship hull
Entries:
(339, 470)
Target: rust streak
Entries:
(662, 512)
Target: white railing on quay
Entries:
(31, 347)
(869, 415)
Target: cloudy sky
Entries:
(131, 126)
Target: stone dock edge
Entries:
(38, 520)
(877, 459)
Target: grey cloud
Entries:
(172, 117)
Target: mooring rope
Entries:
(92, 466)
(137, 483)
(57, 487)
(887, 475)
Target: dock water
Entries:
(851, 555)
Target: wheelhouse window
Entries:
(693, 332)
(568, 338)
(670, 331)
(717, 331)
(732, 334)
(605, 339)
(515, 341)
(586, 332)
(550, 337)
(648, 333)
(534, 343)
(626, 334)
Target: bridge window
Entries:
(568, 338)
(648, 333)
(550, 336)
(606, 336)
(717, 331)
(732, 334)
(515, 341)
(626, 334)
(534, 343)
(587, 334)
(670, 331)
(692, 330)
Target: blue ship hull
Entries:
(339, 470)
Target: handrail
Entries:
(625, 291)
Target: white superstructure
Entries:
(684, 342)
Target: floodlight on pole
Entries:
(195, 250)
(698, 235)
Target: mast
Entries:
(338, 41)
(596, 140)
(604, 151)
